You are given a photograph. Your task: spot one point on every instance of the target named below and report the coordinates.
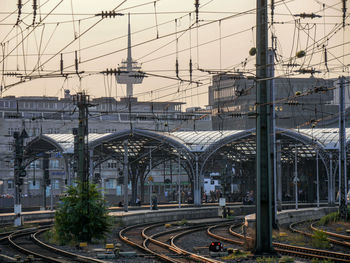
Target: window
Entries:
(55, 164)
(10, 184)
(111, 165)
(55, 184)
(10, 131)
(110, 183)
(34, 185)
(35, 164)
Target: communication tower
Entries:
(130, 70)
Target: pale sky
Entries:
(104, 45)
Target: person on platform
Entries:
(154, 199)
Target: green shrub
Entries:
(332, 217)
(319, 240)
(82, 215)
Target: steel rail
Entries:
(303, 251)
(26, 251)
(62, 252)
(232, 241)
(313, 227)
(33, 233)
(334, 241)
(127, 240)
(191, 255)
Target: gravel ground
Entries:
(200, 239)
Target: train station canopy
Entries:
(240, 144)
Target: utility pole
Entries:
(271, 86)
(317, 182)
(178, 180)
(83, 102)
(263, 243)
(126, 164)
(19, 173)
(342, 158)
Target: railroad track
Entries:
(340, 241)
(26, 242)
(290, 249)
(163, 244)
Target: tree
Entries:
(75, 221)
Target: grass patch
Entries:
(182, 222)
(267, 259)
(237, 254)
(289, 237)
(333, 217)
(315, 260)
(319, 240)
(286, 259)
(330, 218)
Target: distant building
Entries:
(51, 115)
(299, 102)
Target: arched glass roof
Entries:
(192, 141)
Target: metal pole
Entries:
(317, 181)
(342, 162)
(279, 175)
(271, 73)
(330, 181)
(264, 170)
(179, 182)
(126, 176)
(296, 177)
(150, 181)
(51, 195)
(196, 193)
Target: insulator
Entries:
(326, 59)
(344, 12)
(35, 6)
(76, 61)
(191, 69)
(177, 68)
(196, 4)
(61, 64)
(304, 15)
(19, 5)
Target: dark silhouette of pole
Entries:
(342, 158)
(263, 243)
(82, 102)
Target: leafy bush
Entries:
(319, 240)
(81, 216)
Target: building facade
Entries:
(299, 102)
(52, 115)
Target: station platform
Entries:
(292, 215)
(141, 215)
